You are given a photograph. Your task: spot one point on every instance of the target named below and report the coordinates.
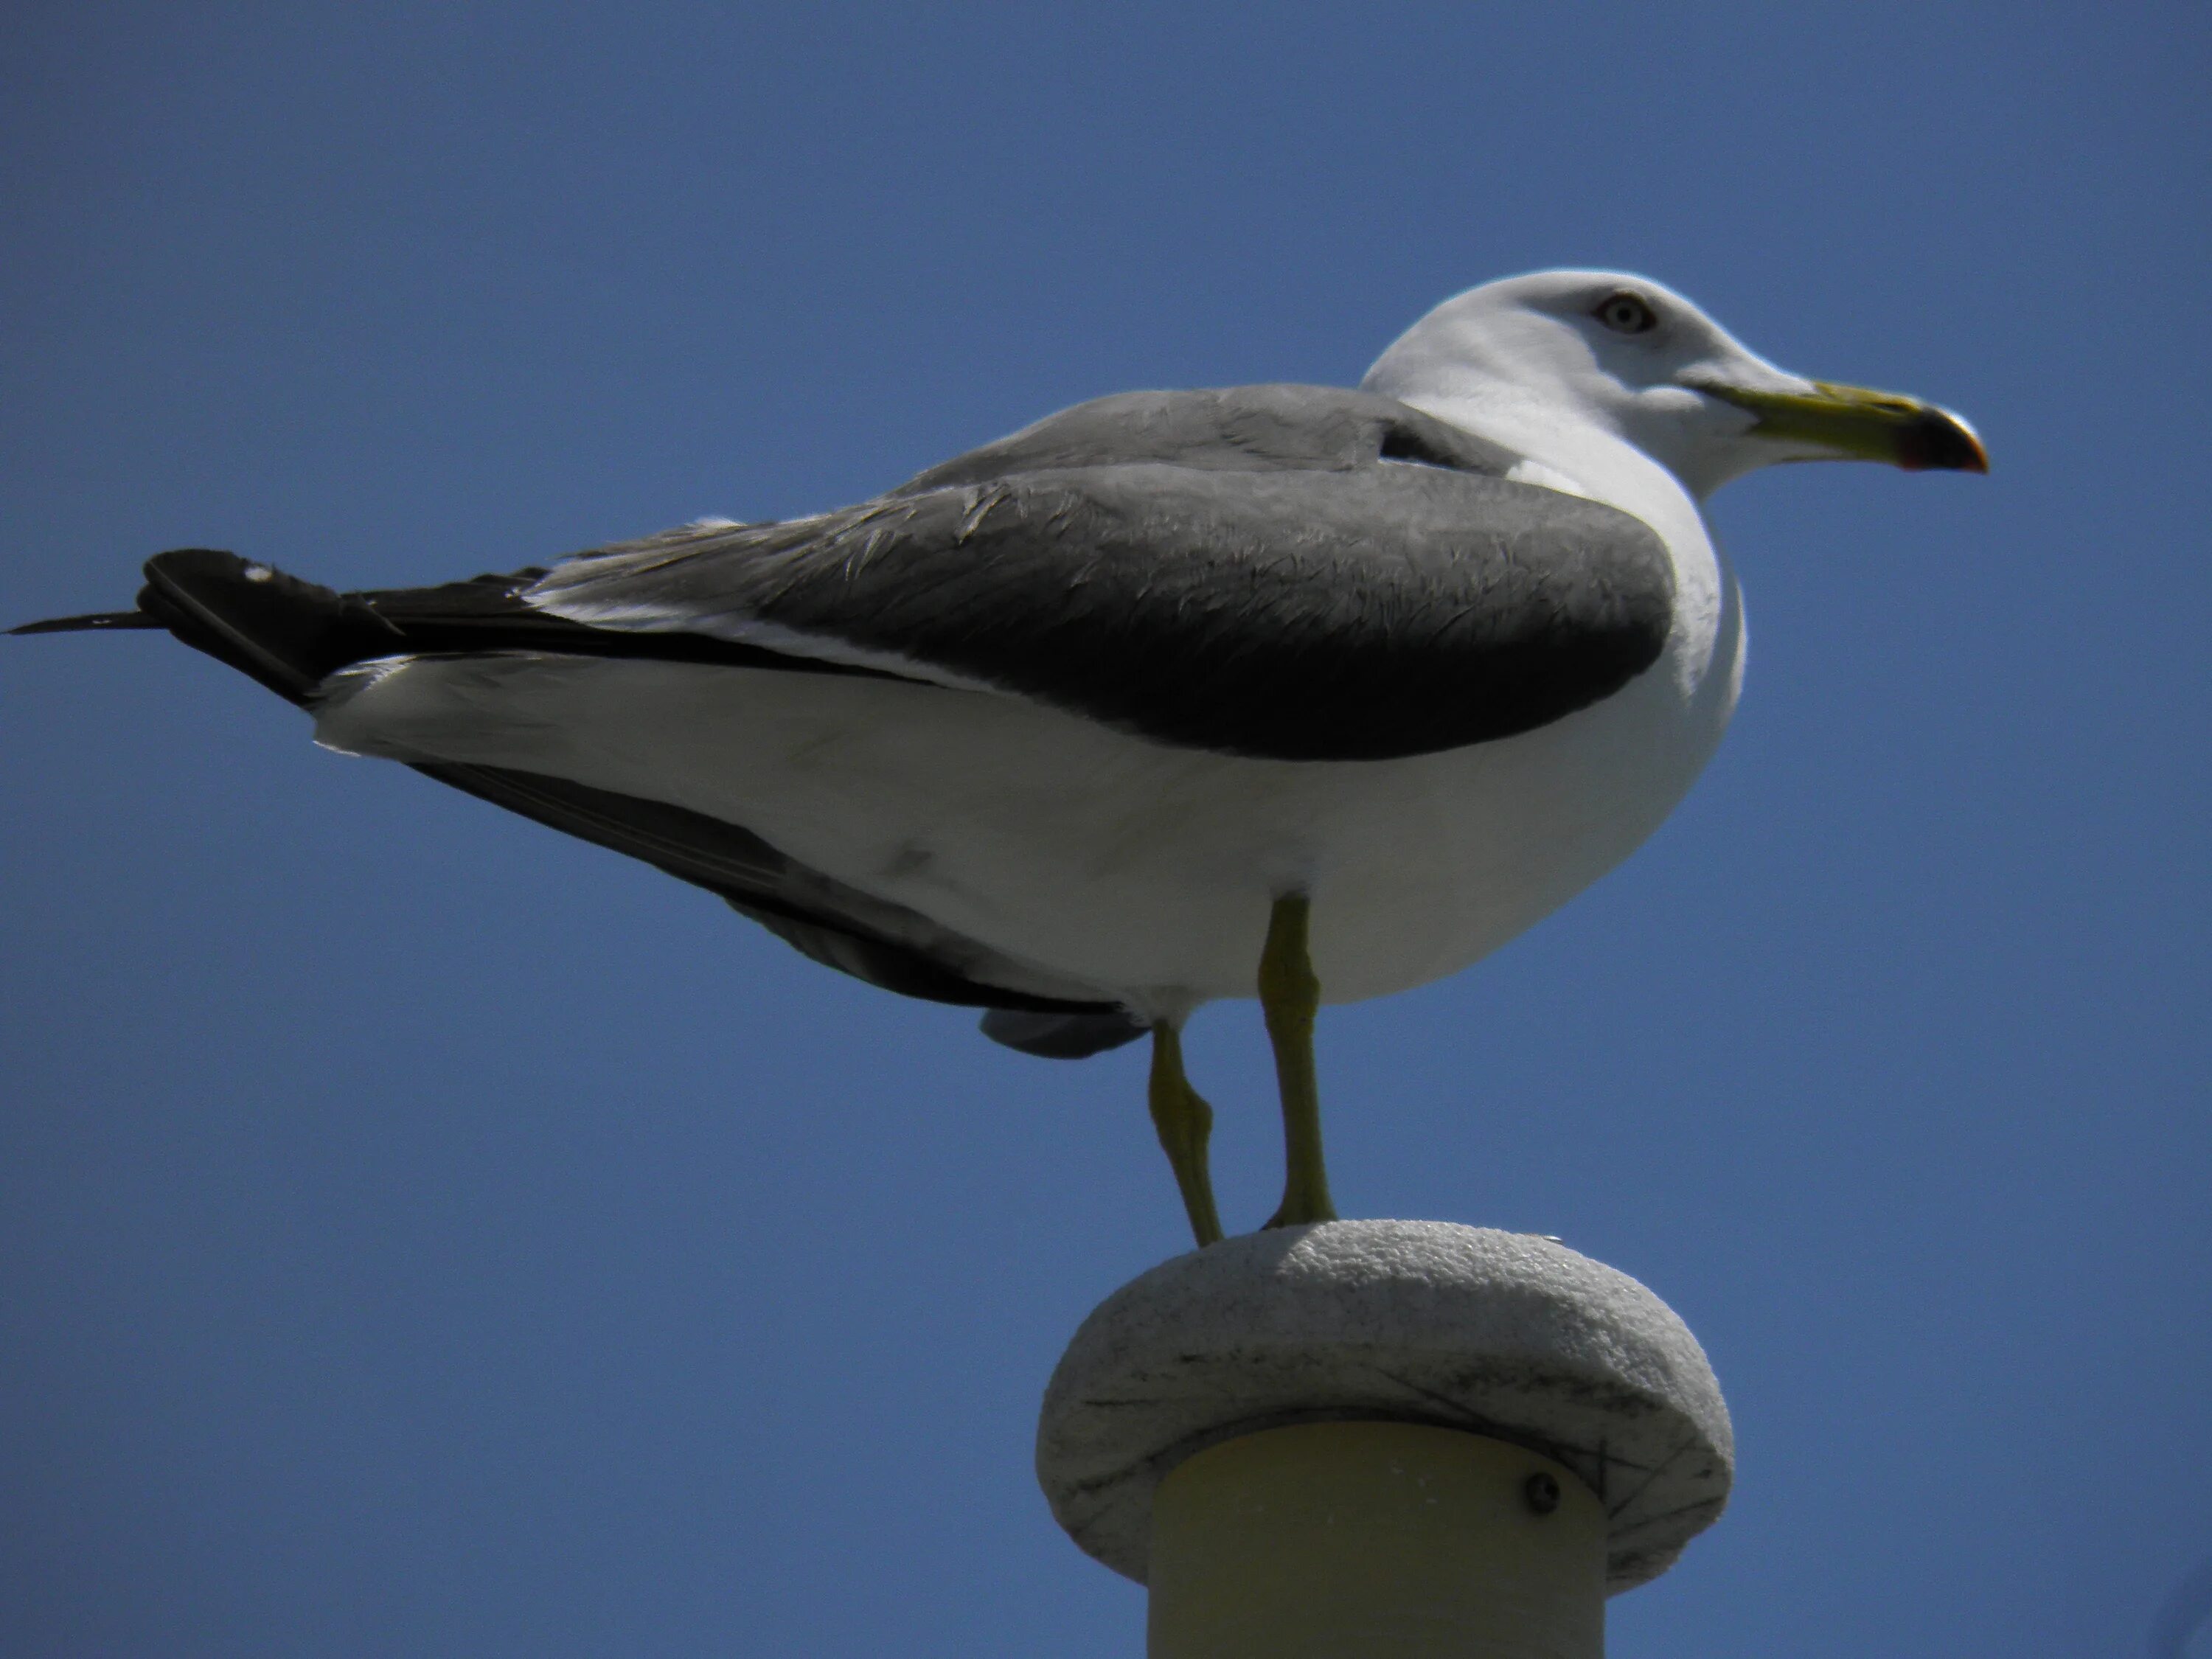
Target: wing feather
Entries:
(1201, 580)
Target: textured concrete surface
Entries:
(1499, 1334)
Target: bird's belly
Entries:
(1145, 871)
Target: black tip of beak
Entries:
(1936, 440)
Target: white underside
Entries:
(1143, 871)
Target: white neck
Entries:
(1588, 458)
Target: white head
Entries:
(1554, 354)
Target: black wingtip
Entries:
(275, 627)
(99, 622)
(286, 633)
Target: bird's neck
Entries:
(1592, 461)
(1565, 454)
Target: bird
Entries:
(1310, 694)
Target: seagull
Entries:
(1301, 692)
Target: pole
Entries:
(1383, 1440)
(1385, 1540)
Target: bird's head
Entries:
(1600, 348)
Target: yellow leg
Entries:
(1290, 997)
(1184, 1121)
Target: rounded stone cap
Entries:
(1503, 1335)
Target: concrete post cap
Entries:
(1499, 1334)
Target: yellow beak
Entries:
(1850, 422)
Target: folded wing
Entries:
(1291, 573)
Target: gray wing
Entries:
(1295, 573)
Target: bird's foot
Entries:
(1302, 1210)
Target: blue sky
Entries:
(420, 1234)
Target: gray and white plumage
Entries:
(1050, 727)
(1280, 572)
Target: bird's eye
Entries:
(1627, 313)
